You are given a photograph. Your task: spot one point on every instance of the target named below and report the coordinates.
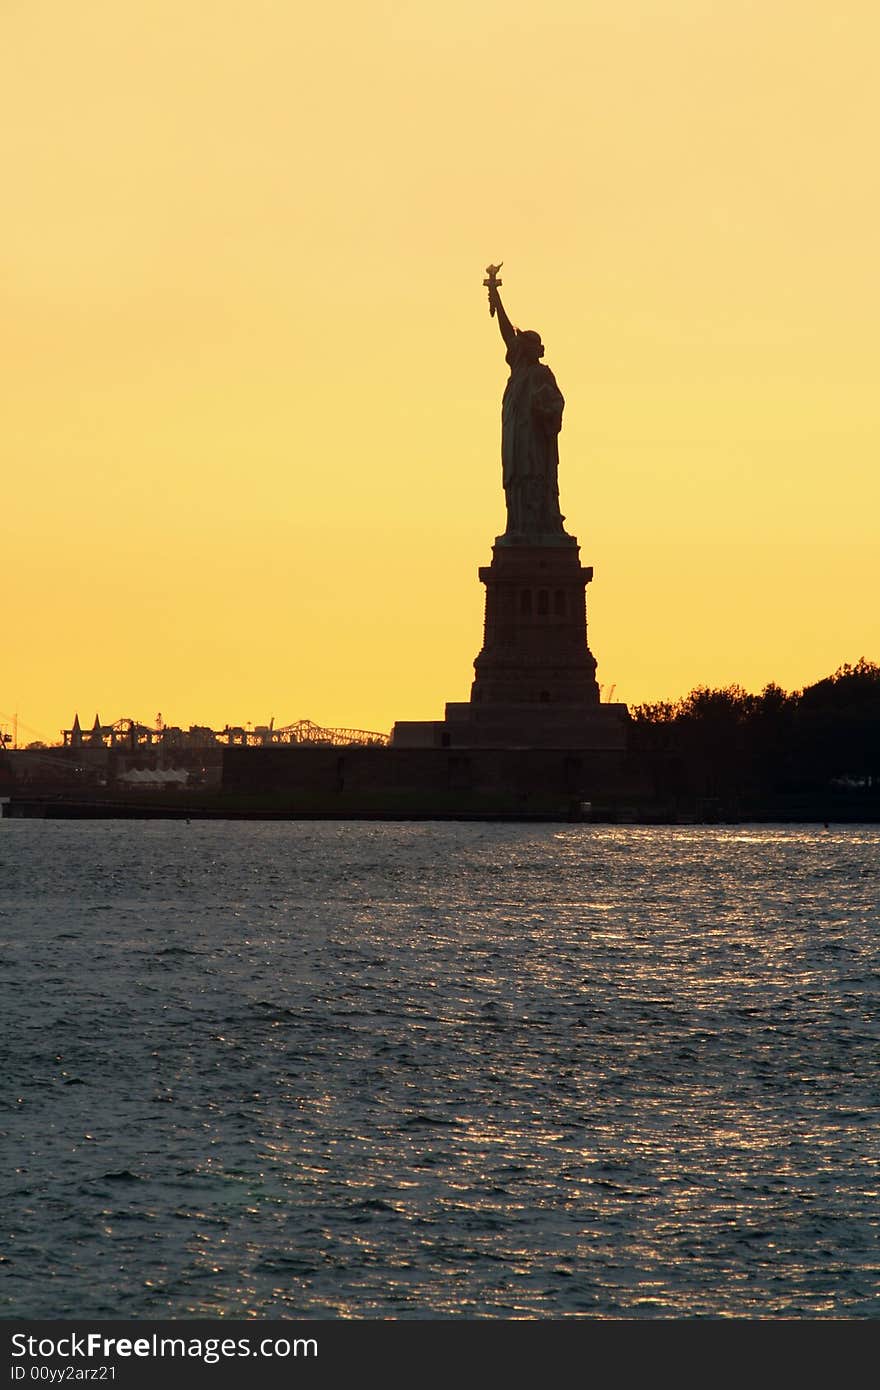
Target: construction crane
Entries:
(13, 719)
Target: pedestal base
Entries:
(598, 728)
(535, 634)
(535, 677)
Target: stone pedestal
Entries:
(535, 649)
(535, 677)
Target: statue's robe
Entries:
(531, 418)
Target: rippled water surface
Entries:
(380, 1070)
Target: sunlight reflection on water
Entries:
(434, 1069)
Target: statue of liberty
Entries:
(531, 418)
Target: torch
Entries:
(492, 282)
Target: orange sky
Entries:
(250, 390)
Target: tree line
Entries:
(817, 746)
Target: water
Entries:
(374, 1070)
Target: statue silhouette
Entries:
(531, 418)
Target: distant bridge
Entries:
(303, 731)
(129, 733)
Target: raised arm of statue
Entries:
(508, 332)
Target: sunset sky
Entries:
(250, 391)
